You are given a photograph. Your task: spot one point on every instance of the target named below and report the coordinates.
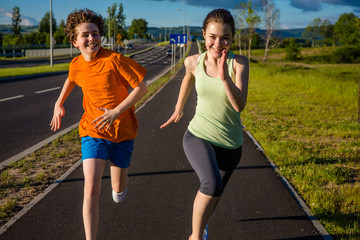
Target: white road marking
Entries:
(48, 90)
(10, 98)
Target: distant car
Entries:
(168, 52)
(129, 47)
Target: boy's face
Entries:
(88, 40)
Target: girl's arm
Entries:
(110, 115)
(59, 110)
(236, 92)
(187, 85)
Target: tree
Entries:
(327, 32)
(59, 35)
(16, 20)
(313, 30)
(13, 40)
(115, 23)
(35, 38)
(347, 29)
(271, 16)
(138, 27)
(252, 20)
(44, 26)
(240, 20)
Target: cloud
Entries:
(315, 5)
(228, 4)
(306, 5)
(6, 15)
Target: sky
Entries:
(169, 13)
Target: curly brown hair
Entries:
(82, 16)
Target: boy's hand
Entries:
(108, 117)
(59, 111)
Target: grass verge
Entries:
(305, 118)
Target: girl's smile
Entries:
(218, 37)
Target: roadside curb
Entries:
(319, 227)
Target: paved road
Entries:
(33, 62)
(255, 205)
(27, 104)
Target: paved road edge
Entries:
(319, 227)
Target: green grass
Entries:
(305, 118)
(12, 72)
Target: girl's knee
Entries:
(211, 187)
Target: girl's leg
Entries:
(202, 158)
(204, 206)
(93, 170)
(119, 178)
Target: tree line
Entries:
(344, 33)
(114, 27)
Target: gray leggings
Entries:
(212, 164)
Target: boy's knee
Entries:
(91, 191)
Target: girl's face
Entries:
(218, 37)
(88, 40)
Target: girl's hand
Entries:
(177, 115)
(59, 111)
(223, 68)
(108, 117)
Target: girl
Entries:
(213, 141)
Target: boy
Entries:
(108, 127)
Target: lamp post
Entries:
(51, 36)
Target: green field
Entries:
(305, 117)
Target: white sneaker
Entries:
(119, 197)
(206, 232)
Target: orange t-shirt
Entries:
(105, 82)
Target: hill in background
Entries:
(196, 31)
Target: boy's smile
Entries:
(88, 40)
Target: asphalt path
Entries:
(162, 185)
(27, 104)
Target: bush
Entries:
(292, 50)
(346, 55)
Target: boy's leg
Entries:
(119, 178)
(93, 170)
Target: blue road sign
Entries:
(178, 38)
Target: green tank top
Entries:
(215, 118)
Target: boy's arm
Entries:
(59, 110)
(110, 115)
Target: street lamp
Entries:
(51, 36)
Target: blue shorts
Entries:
(118, 153)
